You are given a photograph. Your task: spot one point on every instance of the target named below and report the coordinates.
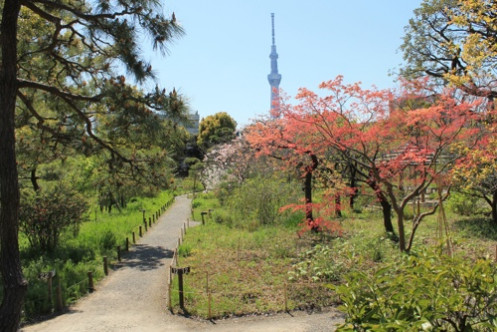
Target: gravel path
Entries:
(133, 297)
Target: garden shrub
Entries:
(44, 214)
(258, 201)
(108, 240)
(223, 217)
(422, 292)
(465, 205)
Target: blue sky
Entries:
(222, 62)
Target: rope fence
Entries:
(214, 303)
(217, 303)
(211, 303)
(59, 295)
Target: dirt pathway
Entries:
(133, 297)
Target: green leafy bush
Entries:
(423, 292)
(465, 205)
(108, 240)
(258, 201)
(45, 214)
(223, 217)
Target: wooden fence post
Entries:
(106, 266)
(209, 304)
(209, 314)
(146, 228)
(150, 221)
(169, 293)
(90, 282)
(127, 244)
(180, 289)
(140, 231)
(286, 296)
(50, 291)
(60, 303)
(134, 237)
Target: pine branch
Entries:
(56, 91)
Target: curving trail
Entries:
(133, 297)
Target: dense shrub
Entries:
(223, 217)
(108, 240)
(258, 201)
(45, 214)
(465, 205)
(423, 292)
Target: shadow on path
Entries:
(144, 257)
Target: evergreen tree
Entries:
(69, 65)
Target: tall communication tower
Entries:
(274, 77)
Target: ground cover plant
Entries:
(81, 252)
(424, 291)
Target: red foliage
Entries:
(400, 140)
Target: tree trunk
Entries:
(386, 208)
(494, 208)
(34, 180)
(338, 206)
(353, 184)
(400, 225)
(308, 196)
(14, 284)
(308, 193)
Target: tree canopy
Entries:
(216, 129)
(455, 42)
(399, 143)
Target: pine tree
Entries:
(70, 65)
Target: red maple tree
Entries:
(399, 142)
